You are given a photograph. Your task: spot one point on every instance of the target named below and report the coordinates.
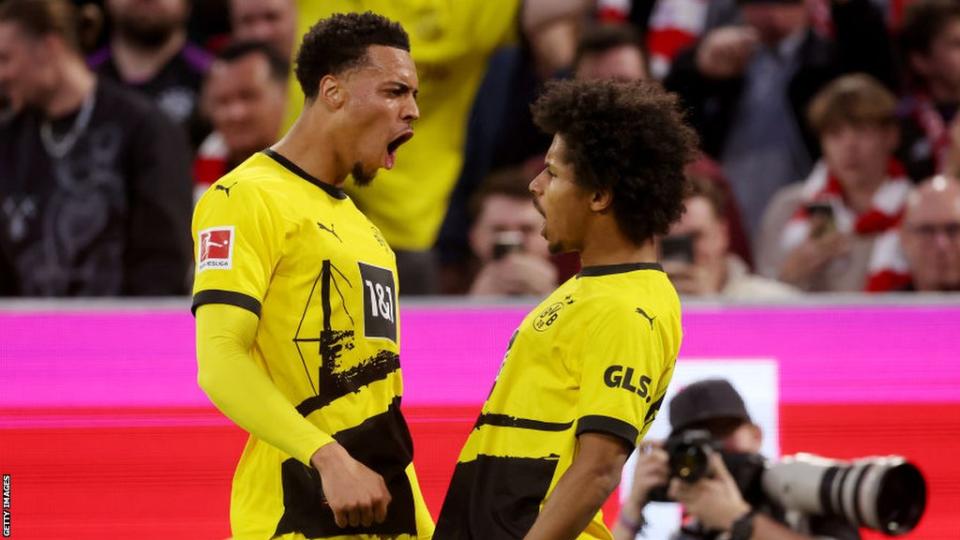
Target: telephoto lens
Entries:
(887, 494)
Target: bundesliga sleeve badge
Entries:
(215, 248)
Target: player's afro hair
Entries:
(626, 137)
(340, 42)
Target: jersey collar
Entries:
(333, 191)
(606, 270)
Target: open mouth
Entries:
(395, 144)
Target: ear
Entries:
(756, 433)
(331, 92)
(601, 200)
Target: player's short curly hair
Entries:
(626, 137)
(340, 42)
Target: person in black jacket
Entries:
(95, 191)
(747, 88)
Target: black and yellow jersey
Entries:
(296, 252)
(595, 356)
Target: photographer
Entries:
(714, 506)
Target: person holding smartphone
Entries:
(697, 257)
(841, 233)
(505, 238)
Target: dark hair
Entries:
(701, 186)
(924, 21)
(600, 38)
(509, 182)
(626, 137)
(40, 18)
(340, 42)
(279, 66)
(856, 99)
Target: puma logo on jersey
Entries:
(225, 189)
(329, 230)
(645, 316)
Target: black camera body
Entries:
(886, 494)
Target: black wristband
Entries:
(742, 528)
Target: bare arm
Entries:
(583, 489)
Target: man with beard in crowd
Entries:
(149, 52)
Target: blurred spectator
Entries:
(836, 231)
(149, 52)
(930, 236)
(452, 47)
(747, 88)
(696, 254)
(271, 21)
(244, 95)
(930, 37)
(94, 181)
(708, 169)
(611, 51)
(506, 239)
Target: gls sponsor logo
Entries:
(620, 377)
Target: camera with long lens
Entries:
(886, 494)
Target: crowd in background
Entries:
(828, 128)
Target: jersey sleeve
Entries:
(237, 244)
(493, 24)
(621, 370)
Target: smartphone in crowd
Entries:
(821, 218)
(677, 247)
(507, 242)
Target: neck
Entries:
(138, 64)
(860, 193)
(75, 84)
(718, 276)
(606, 245)
(309, 144)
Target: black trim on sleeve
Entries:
(610, 426)
(216, 296)
(606, 270)
(333, 191)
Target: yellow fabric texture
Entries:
(298, 341)
(451, 43)
(585, 360)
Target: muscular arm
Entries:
(583, 489)
(241, 390)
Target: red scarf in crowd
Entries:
(887, 269)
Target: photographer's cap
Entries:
(710, 399)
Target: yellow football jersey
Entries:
(451, 43)
(595, 356)
(295, 251)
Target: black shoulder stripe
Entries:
(216, 296)
(610, 426)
